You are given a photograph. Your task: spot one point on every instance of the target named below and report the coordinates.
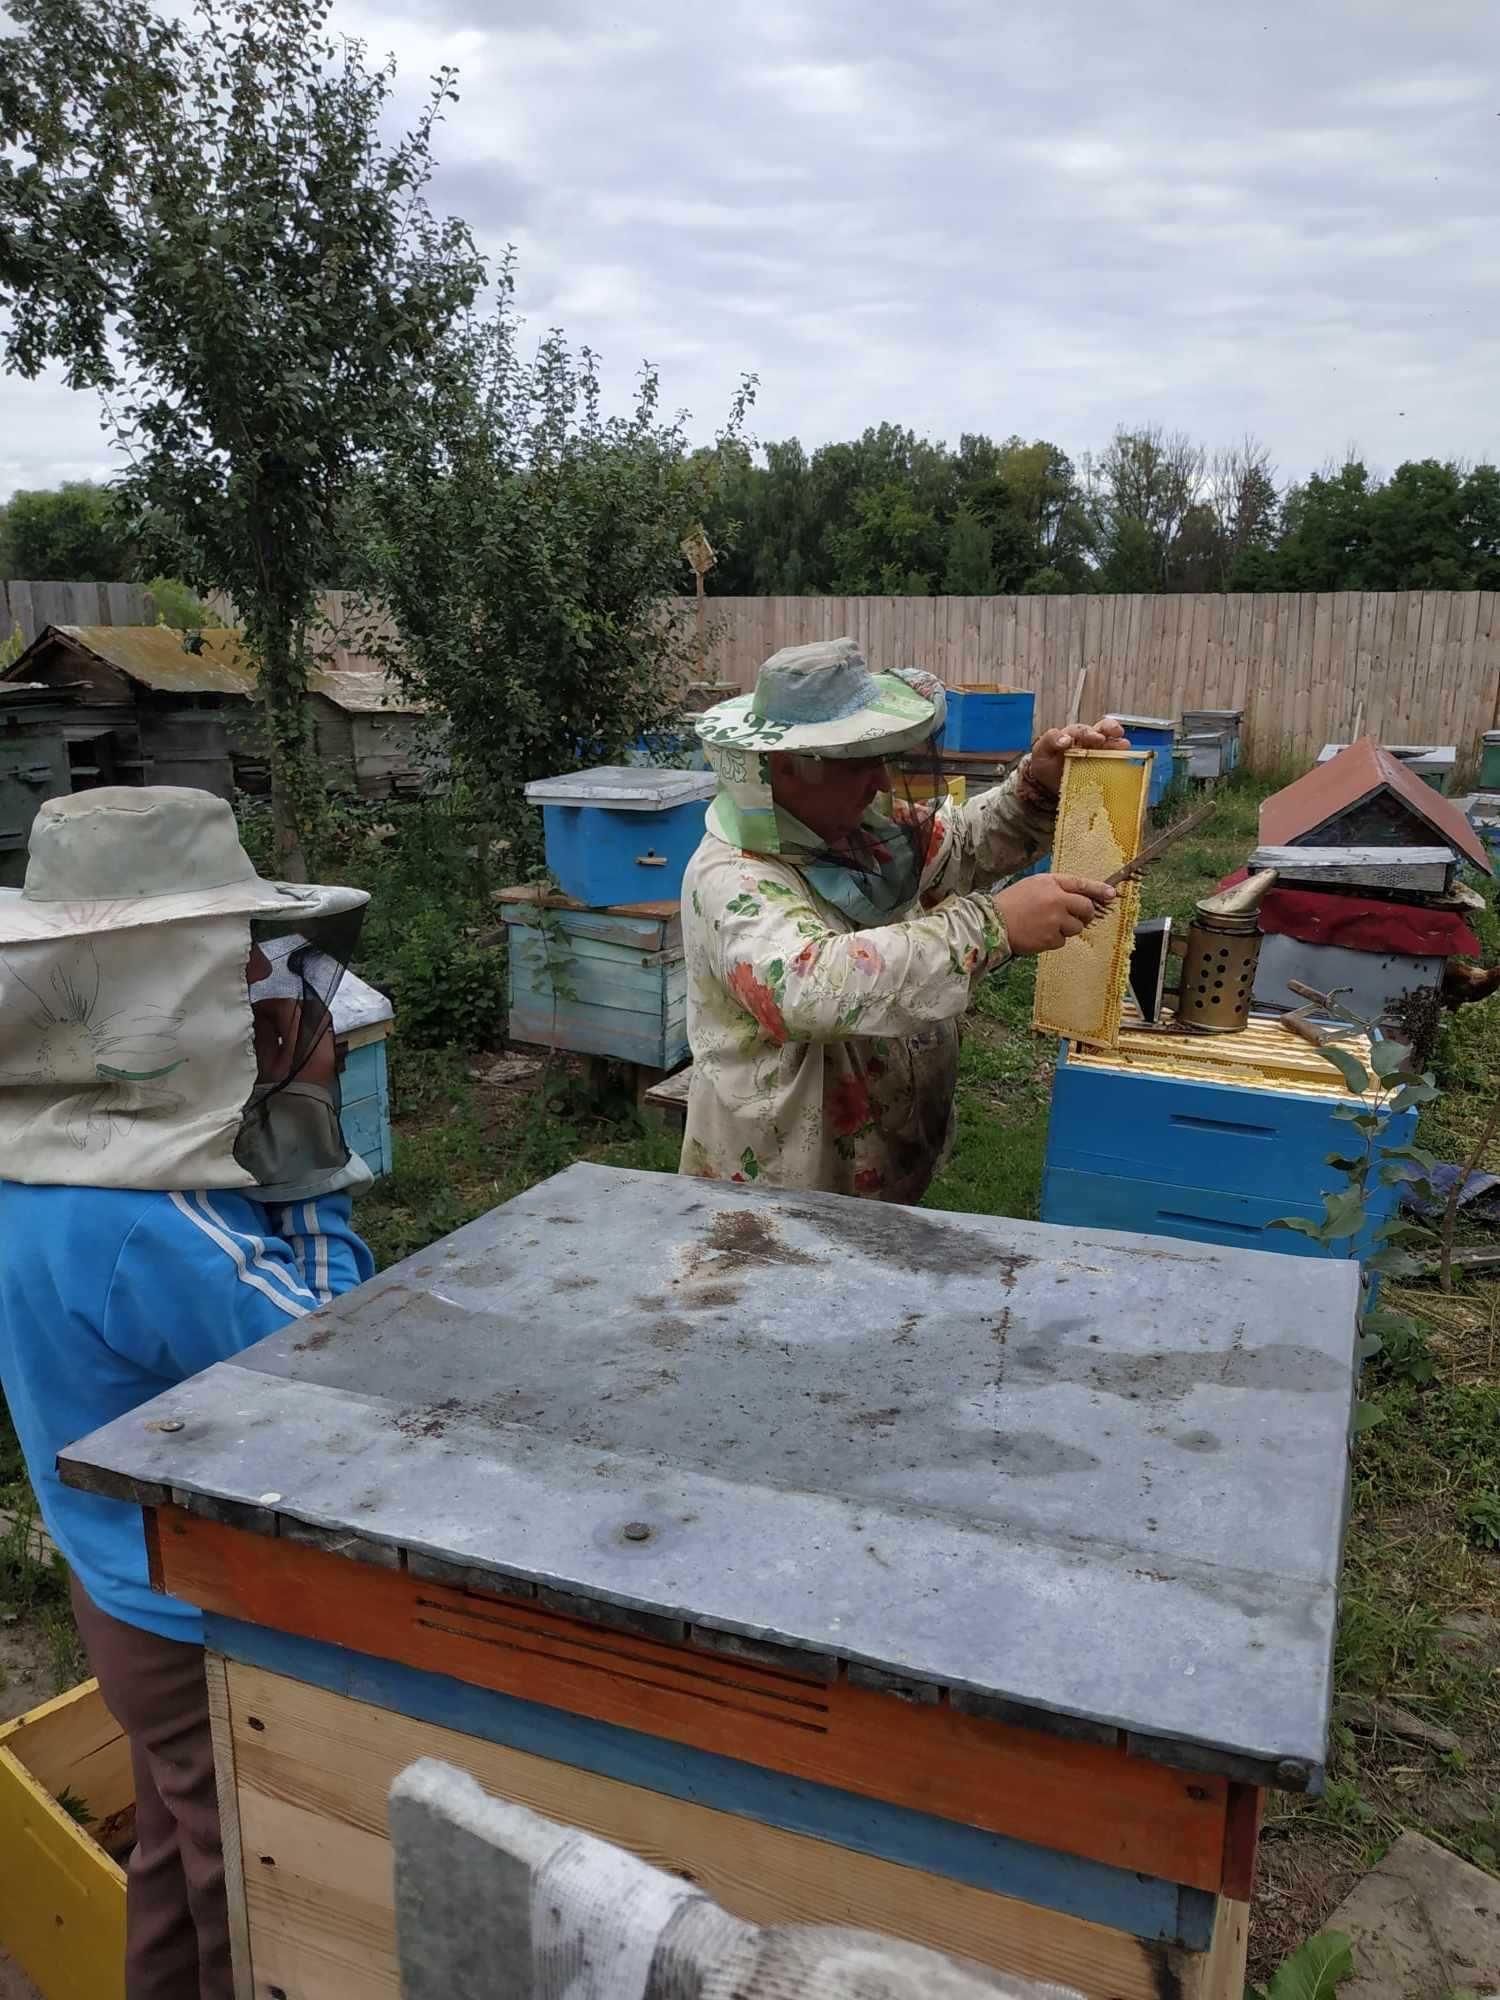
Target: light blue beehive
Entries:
(361, 1022)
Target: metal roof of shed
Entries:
(1345, 781)
(155, 656)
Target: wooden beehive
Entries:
(62, 1909)
(609, 982)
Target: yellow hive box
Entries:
(62, 1898)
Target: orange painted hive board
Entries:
(1088, 1799)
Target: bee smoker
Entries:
(1220, 956)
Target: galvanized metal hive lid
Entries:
(1089, 1477)
(1143, 721)
(627, 787)
(356, 1005)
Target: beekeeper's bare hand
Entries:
(1044, 911)
(1048, 752)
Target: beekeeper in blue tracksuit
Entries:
(175, 1187)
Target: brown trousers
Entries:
(177, 1921)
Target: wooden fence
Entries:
(33, 606)
(1408, 666)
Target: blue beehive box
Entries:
(598, 982)
(361, 1022)
(624, 833)
(988, 717)
(1159, 734)
(1210, 1159)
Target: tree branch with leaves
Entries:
(520, 548)
(1379, 1090)
(201, 220)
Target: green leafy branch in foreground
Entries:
(1383, 1090)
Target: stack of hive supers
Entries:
(1368, 899)
(599, 969)
(1211, 1138)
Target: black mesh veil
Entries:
(291, 1132)
(887, 852)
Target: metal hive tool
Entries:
(1100, 817)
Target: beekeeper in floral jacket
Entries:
(837, 922)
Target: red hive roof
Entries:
(1348, 779)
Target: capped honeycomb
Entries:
(1100, 820)
(1263, 1056)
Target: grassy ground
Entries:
(1417, 1740)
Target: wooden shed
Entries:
(35, 750)
(145, 706)
(367, 727)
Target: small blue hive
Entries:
(361, 1021)
(622, 833)
(1158, 733)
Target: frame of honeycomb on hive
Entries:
(1101, 816)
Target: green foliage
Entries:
(33, 1580)
(431, 938)
(1381, 1089)
(1313, 1972)
(446, 989)
(12, 648)
(889, 511)
(1481, 1517)
(201, 218)
(522, 543)
(1151, 511)
(179, 607)
(971, 563)
(74, 533)
(78, 1809)
(1430, 526)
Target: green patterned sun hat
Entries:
(823, 701)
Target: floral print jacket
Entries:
(825, 1056)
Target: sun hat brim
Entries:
(29, 920)
(898, 718)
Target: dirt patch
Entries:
(911, 1241)
(28, 1676)
(316, 1340)
(744, 1239)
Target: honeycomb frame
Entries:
(1101, 818)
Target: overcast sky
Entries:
(1047, 217)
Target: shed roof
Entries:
(154, 655)
(361, 692)
(1347, 780)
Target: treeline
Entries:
(896, 514)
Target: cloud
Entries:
(1047, 217)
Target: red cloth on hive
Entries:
(1360, 923)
